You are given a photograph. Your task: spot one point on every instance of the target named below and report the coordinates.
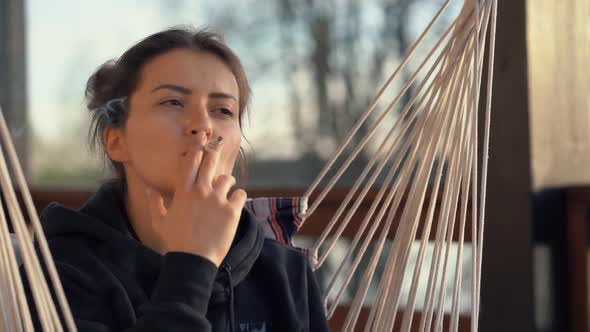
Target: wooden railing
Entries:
(577, 219)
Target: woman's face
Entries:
(178, 92)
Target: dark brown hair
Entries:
(109, 88)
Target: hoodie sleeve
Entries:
(178, 303)
(180, 299)
(317, 312)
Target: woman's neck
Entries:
(138, 212)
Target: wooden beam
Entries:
(578, 214)
(13, 83)
(507, 278)
(337, 321)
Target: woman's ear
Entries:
(115, 144)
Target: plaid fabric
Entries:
(280, 217)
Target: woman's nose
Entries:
(199, 121)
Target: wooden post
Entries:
(13, 85)
(578, 201)
(559, 57)
(507, 278)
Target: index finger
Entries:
(209, 163)
(190, 164)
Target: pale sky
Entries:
(68, 40)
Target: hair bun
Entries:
(99, 86)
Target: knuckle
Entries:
(219, 200)
(226, 178)
(240, 193)
(232, 212)
(200, 191)
(221, 179)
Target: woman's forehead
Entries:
(201, 72)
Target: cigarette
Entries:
(212, 144)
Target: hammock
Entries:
(431, 149)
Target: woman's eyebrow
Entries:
(187, 91)
(173, 87)
(222, 95)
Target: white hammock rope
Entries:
(40, 290)
(377, 200)
(409, 220)
(438, 124)
(355, 153)
(431, 149)
(364, 117)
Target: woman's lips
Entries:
(211, 144)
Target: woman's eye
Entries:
(172, 102)
(226, 112)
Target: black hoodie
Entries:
(115, 283)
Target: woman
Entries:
(167, 246)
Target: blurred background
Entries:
(314, 66)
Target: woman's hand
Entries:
(201, 219)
